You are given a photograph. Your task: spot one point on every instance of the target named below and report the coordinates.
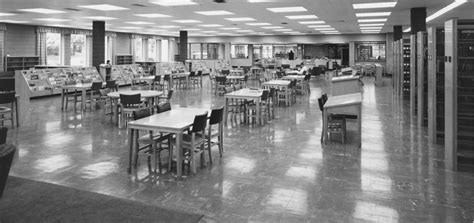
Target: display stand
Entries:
(413, 77)
(123, 59)
(24, 93)
(406, 68)
(436, 84)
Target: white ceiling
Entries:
(338, 13)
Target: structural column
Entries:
(98, 43)
(397, 33)
(3, 28)
(183, 45)
(417, 23)
(67, 49)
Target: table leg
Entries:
(225, 110)
(83, 99)
(259, 112)
(62, 99)
(359, 122)
(325, 126)
(130, 152)
(153, 147)
(187, 81)
(16, 112)
(179, 153)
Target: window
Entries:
(195, 49)
(370, 51)
(239, 51)
(53, 49)
(78, 50)
(257, 52)
(138, 49)
(267, 51)
(108, 48)
(164, 50)
(212, 51)
(151, 50)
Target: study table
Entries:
(278, 84)
(83, 87)
(244, 94)
(175, 121)
(345, 85)
(347, 104)
(148, 79)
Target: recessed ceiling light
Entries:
(53, 20)
(324, 29)
(42, 10)
(104, 7)
(283, 30)
(244, 31)
(319, 26)
(301, 17)
(311, 22)
(371, 24)
(259, 24)
(371, 20)
(288, 9)
(241, 19)
(14, 21)
(6, 14)
(168, 26)
(211, 13)
(140, 23)
(209, 31)
(192, 29)
(230, 28)
(374, 5)
(153, 15)
(373, 14)
(99, 18)
(173, 2)
(187, 21)
(211, 25)
(272, 27)
(407, 30)
(129, 27)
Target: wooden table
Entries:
(236, 72)
(293, 77)
(78, 87)
(234, 79)
(147, 94)
(175, 121)
(348, 104)
(148, 79)
(345, 85)
(179, 75)
(247, 94)
(293, 72)
(279, 84)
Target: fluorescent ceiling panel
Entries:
(210, 25)
(293, 32)
(371, 20)
(168, 26)
(129, 27)
(192, 29)
(324, 29)
(407, 30)
(6, 14)
(283, 30)
(230, 28)
(319, 26)
(14, 21)
(272, 27)
(53, 20)
(209, 31)
(311, 22)
(211, 13)
(446, 9)
(104, 7)
(244, 31)
(373, 14)
(287, 9)
(187, 21)
(241, 19)
(301, 17)
(259, 24)
(173, 2)
(153, 15)
(99, 18)
(157, 30)
(371, 24)
(140, 23)
(42, 10)
(374, 5)
(370, 28)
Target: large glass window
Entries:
(53, 49)
(164, 50)
(239, 51)
(257, 52)
(370, 51)
(195, 49)
(213, 51)
(78, 50)
(151, 50)
(138, 49)
(267, 51)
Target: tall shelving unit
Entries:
(459, 94)
(13, 63)
(436, 84)
(422, 78)
(413, 76)
(123, 59)
(406, 68)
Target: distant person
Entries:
(108, 70)
(291, 55)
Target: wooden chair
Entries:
(221, 82)
(193, 142)
(7, 151)
(3, 135)
(71, 95)
(128, 104)
(252, 108)
(157, 85)
(95, 95)
(167, 98)
(215, 120)
(7, 98)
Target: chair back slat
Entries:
(163, 107)
(96, 86)
(130, 100)
(216, 115)
(7, 97)
(199, 123)
(141, 113)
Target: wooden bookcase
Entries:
(406, 68)
(422, 78)
(459, 94)
(413, 77)
(123, 59)
(13, 63)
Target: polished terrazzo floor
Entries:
(279, 172)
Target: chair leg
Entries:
(193, 161)
(209, 145)
(12, 117)
(170, 155)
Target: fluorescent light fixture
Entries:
(241, 19)
(230, 28)
(42, 10)
(6, 14)
(209, 31)
(373, 14)
(332, 33)
(283, 30)
(140, 23)
(301, 17)
(371, 28)
(211, 13)
(371, 24)
(371, 20)
(58, 25)
(225, 34)
(13, 21)
(288, 9)
(446, 9)
(293, 32)
(374, 5)
(311, 22)
(99, 18)
(407, 30)
(157, 30)
(192, 29)
(329, 31)
(168, 26)
(272, 27)
(187, 21)
(319, 26)
(53, 20)
(173, 2)
(129, 27)
(153, 15)
(210, 25)
(104, 7)
(324, 29)
(258, 24)
(244, 31)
